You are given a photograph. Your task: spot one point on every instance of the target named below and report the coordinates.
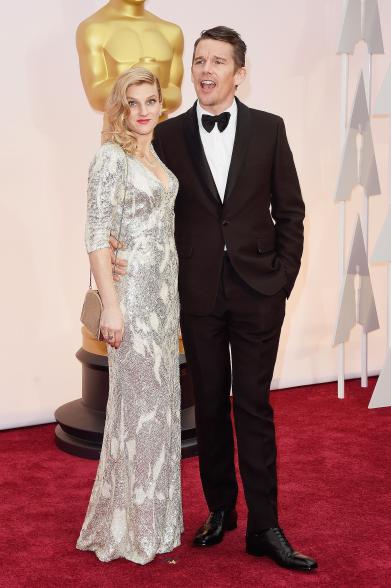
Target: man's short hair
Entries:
(228, 36)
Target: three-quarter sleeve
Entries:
(105, 180)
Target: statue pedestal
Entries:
(81, 422)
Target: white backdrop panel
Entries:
(50, 134)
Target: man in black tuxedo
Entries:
(239, 235)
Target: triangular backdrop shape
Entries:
(351, 27)
(351, 173)
(369, 177)
(382, 250)
(360, 115)
(371, 32)
(348, 174)
(358, 260)
(381, 396)
(383, 101)
(346, 312)
(367, 313)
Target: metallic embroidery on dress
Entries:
(135, 509)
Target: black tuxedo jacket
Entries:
(260, 221)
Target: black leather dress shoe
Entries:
(212, 531)
(275, 545)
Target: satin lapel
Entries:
(197, 154)
(239, 152)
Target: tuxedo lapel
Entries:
(197, 154)
(242, 136)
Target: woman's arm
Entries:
(105, 178)
(112, 324)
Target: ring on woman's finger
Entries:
(111, 336)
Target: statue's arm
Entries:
(172, 94)
(93, 70)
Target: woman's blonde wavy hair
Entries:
(118, 110)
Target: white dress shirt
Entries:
(218, 146)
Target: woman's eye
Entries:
(131, 103)
(152, 101)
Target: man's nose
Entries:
(207, 67)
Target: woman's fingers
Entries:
(119, 269)
(112, 336)
(118, 338)
(118, 265)
(113, 242)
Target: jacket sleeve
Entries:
(287, 208)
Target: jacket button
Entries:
(225, 222)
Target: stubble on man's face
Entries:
(215, 75)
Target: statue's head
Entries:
(218, 66)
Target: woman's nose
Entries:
(143, 109)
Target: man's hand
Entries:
(120, 268)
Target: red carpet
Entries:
(335, 504)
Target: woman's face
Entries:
(145, 108)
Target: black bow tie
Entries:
(222, 120)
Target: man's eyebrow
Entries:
(214, 56)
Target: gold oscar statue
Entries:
(119, 35)
(122, 34)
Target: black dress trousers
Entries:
(247, 324)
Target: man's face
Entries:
(215, 75)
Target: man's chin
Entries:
(207, 100)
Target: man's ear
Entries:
(240, 76)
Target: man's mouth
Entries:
(208, 84)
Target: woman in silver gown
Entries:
(135, 507)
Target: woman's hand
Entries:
(112, 326)
(119, 266)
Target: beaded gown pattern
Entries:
(135, 507)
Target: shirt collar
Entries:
(233, 110)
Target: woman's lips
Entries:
(143, 121)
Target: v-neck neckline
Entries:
(151, 173)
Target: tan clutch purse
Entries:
(91, 313)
